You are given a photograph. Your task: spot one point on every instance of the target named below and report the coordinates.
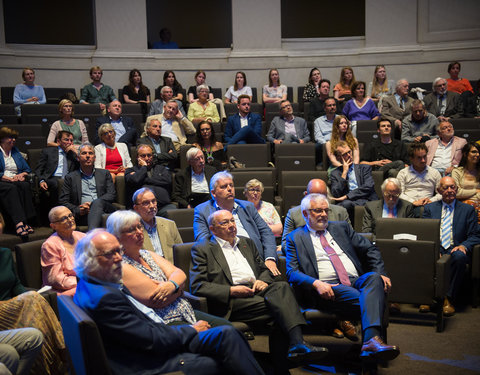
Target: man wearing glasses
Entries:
(390, 206)
(165, 152)
(287, 128)
(335, 269)
(159, 234)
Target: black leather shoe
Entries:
(306, 353)
(376, 350)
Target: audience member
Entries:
(253, 192)
(111, 155)
(88, 192)
(134, 338)
(203, 109)
(200, 77)
(250, 223)
(312, 88)
(19, 348)
(323, 125)
(287, 128)
(418, 181)
(244, 126)
(398, 106)
(154, 176)
(97, 92)
(389, 206)
(165, 40)
(67, 123)
(341, 132)
(28, 92)
(159, 234)
(229, 272)
(170, 80)
(174, 124)
(459, 233)
(213, 151)
(360, 107)
(455, 83)
(467, 176)
(166, 94)
(420, 126)
(351, 184)
(57, 252)
(317, 104)
(125, 129)
(136, 92)
(274, 92)
(16, 197)
(443, 104)
(325, 264)
(164, 151)
(342, 90)
(191, 184)
(380, 86)
(385, 153)
(238, 89)
(445, 152)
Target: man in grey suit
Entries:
(443, 104)
(397, 106)
(295, 218)
(88, 192)
(287, 128)
(390, 206)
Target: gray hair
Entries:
(192, 152)
(253, 182)
(435, 81)
(85, 254)
(86, 144)
(139, 192)
(219, 176)
(103, 128)
(52, 214)
(307, 201)
(149, 121)
(399, 82)
(391, 180)
(437, 128)
(119, 220)
(165, 88)
(202, 87)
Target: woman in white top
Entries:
(274, 92)
(239, 88)
(110, 155)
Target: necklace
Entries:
(210, 157)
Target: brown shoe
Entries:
(376, 349)
(394, 308)
(349, 330)
(337, 333)
(424, 309)
(448, 309)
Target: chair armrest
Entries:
(198, 303)
(442, 272)
(476, 262)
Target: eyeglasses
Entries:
(145, 155)
(63, 219)
(110, 254)
(391, 196)
(147, 203)
(133, 229)
(225, 223)
(319, 210)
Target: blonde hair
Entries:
(62, 104)
(376, 87)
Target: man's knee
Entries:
(459, 257)
(10, 357)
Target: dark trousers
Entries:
(458, 266)
(16, 200)
(246, 135)
(98, 207)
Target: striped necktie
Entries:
(335, 259)
(446, 227)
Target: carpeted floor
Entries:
(454, 351)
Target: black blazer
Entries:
(48, 163)
(130, 136)
(165, 157)
(71, 195)
(182, 188)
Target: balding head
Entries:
(316, 186)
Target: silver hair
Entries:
(86, 144)
(438, 79)
(164, 88)
(202, 87)
(149, 121)
(119, 220)
(103, 128)
(218, 176)
(192, 152)
(52, 214)
(391, 180)
(400, 81)
(139, 192)
(307, 201)
(85, 254)
(252, 183)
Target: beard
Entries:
(114, 274)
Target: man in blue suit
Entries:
(136, 340)
(249, 222)
(341, 271)
(244, 126)
(458, 235)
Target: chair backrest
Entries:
(7, 94)
(358, 218)
(82, 338)
(182, 257)
(54, 94)
(29, 268)
(299, 178)
(465, 124)
(252, 155)
(183, 217)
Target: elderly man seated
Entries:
(191, 185)
(136, 340)
(397, 106)
(443, 104)
(420, 126)
(164, 151)
(166, 94)
(287, 128)
(125, 130)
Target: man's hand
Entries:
(84, 208)
(418, 138)
(387, 284)
(163, 290)
(324, 289)
(301, 141)
(422, 202)
(201, 326)
(277, 141)
(398, 124)
(443, 118)
(272, 266)
(141, 162)
(102, 106)
(120, 169)
(44, 185)
(449, 170)
(178, 115)
(461, 248)
(339, 199)
(259, 285)
(241, 291)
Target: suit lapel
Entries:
(162, 235)
(221, 260)
(308, 244)
(98, 184)
(247, 253)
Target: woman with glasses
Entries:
(213, 150)
(57, 252)
(202, 109)
(153, 280)
(253, 192)
(111, 155)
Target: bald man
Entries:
(295, 218)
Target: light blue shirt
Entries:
(61, 158)
(119, 128)
(153, 235)
(322, 129)
(89, 187)
(385, 210)
(352, 179)
(156, 145)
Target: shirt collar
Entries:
(224, 243)
(451, 205)
(149, 228)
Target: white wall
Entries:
(407, 37)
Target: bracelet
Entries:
(176, 285)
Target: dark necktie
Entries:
(336, 262)
(65, 164)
